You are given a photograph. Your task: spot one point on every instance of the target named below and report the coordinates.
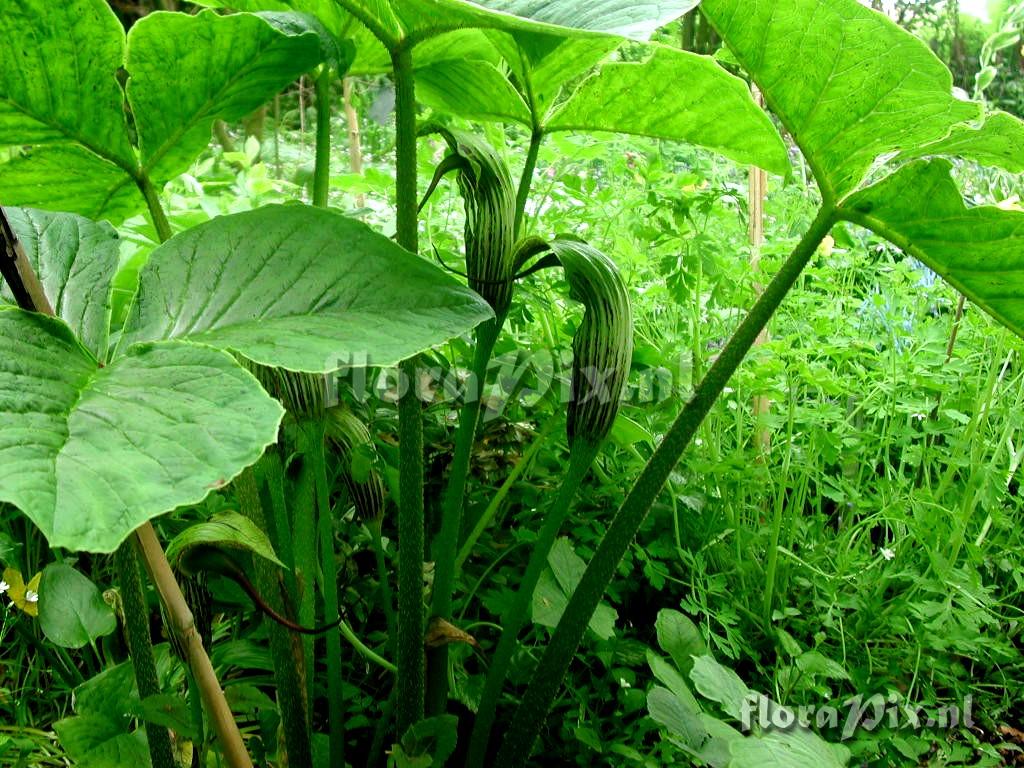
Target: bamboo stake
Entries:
(355, 143)
(757, 191)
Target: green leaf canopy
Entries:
(91, 453)
(60, 96)
(669, 94)
(299, 288)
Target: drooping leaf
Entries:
(979, 250)
(224, 67)
(72, 612)
(70, 178)
(299, 288)
(397, 20)
(848, 83)
(91, 453)
(75, 260)
(671, 94)
(676, 95)
(227, 530)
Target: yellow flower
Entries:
(23, 596)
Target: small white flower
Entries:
(4, 586)
(887, 553)
(918, 416)
(31, 597)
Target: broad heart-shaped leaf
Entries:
(58, 83)
(979, 250)
(223, 66)
(848, 83)
(72, 612)
(75, 260)
(91, 453)
(299, 288)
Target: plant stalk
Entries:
(140, 648)
(550, 672)
(156, 209)
(447, 541)
(284, 646)
(322, 169)
(332, 613)
(526, 180)
(410, 705)
(582, 456)
(183, 624)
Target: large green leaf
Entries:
(671, 94)
(60, 96)
(75, 260)
(91, 453)
(58, 85)
(676, 95)
(849, 84)
(224, 67)
(871, 96)
(299, 288)
(474, 89)
(979, 250)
